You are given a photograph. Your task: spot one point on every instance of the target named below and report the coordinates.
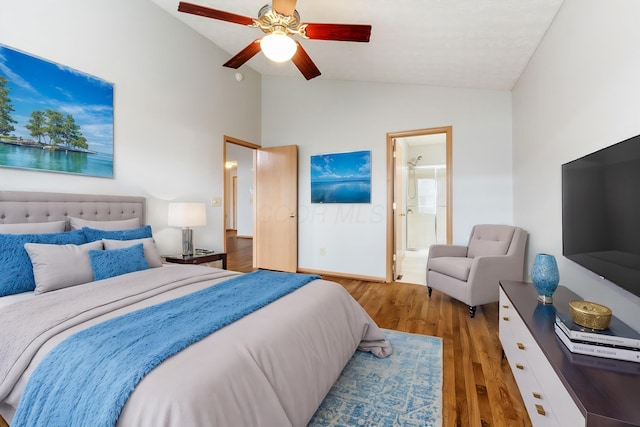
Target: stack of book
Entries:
(619, 341)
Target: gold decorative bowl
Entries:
(590, 314)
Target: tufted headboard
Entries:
(25, 206)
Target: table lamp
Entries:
(187, 215)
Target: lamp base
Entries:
(187, 242)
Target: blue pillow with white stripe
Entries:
(16, 270)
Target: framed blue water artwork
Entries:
(341, 177)
(54, 118)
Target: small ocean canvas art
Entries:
(54, 118)
(341, 177)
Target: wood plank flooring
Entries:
(239, 253)
(479, 388)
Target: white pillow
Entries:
(60, 266)
(121, 224)
(33, 227)
(148, 246)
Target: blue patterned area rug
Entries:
(403, 390)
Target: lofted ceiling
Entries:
(481, 44)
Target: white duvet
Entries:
(270, 368)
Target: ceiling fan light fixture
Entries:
(278, 47)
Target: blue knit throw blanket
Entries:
(87, 378)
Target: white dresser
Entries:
(548, 402)
(558, 388)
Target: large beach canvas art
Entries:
(341, 177)
(54, 118)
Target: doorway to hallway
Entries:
(238, 202)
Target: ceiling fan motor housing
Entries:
(269, 21)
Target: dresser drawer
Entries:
(564, 408)
(538, 405)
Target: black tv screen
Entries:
(601, 213)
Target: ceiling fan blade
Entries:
(284, 7)
(339, 32)
(304, 63)
(214, 13)
(244, 55)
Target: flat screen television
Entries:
(601, 213)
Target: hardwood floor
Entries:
(479, 388)
(239, 253)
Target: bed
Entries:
(272, 366)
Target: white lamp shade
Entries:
(187, 215)
(278, 47)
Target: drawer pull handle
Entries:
(519, 366)
(505, 318)
(520, 346)
(537, 395)
(540, 410)
(505, 306)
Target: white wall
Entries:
(173, 102)
(580, 93)
(324, 116)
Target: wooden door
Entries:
(276, 208)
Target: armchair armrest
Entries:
(497, 265)
(487, 271)
(436, 251)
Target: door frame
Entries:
(234, 197)
(229, 139)
(391, 170)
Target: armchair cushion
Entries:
(458, 267)
(490, 240)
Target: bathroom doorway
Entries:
(421, 199)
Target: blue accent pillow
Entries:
(16, 270)
(94, 234)
(114, 262)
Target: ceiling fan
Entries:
(279, 21)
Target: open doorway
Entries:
(420, 214)
(238, 203)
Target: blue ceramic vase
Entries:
(545, 277)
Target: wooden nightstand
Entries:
(198, 259)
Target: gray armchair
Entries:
(472, 273)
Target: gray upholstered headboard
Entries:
(25, 206)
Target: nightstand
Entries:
(198, 259)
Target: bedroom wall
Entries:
(579, 94)
(173, 103)
(336, 116)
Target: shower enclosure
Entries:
(425, 204)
